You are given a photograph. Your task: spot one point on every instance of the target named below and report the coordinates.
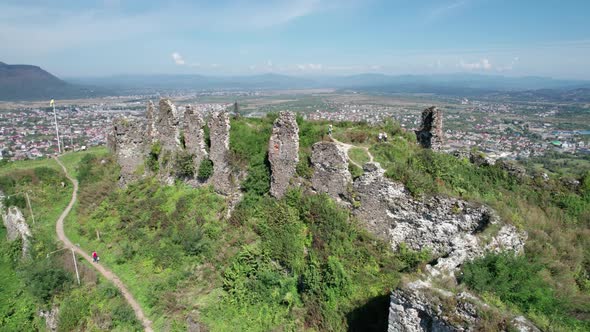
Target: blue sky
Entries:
(298, 37)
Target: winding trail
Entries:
(108, 274)
(346, 147)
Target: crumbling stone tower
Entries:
(194, 136)
(430, 133)
(219, 152)
(283, 152)
(127, 142)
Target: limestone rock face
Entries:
(330, 170)
(420, 307)
(283, 152)
(448, 227)
(51, 318)
(129, 146)
(194, 136)
(219, 152)
(17, 227)
(430, 133)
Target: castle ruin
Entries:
(430, 133)
(283, 153)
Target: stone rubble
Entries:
(283, 153)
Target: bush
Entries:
(184, 165)
(152, 161)
(45, 280)
(205, 170)
(411, 259)
(514, 279)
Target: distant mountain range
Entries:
(25, 82)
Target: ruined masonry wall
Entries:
(219, 152)
(283, 152)
(194, 136)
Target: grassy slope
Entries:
(302, 263)
(42, 179)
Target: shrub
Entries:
(152, 161)
(411, 259)
(514, 279)
(205, 170)
(184, 165)
(45, 280)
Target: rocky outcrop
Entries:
(430, 133)
(453, 230)
(283, 152)
(219, 152)
(513, 168)
(17, 228)
(480, 159)
(194, 136)
(51, 318)
(420, 306)
(129, 147)
(330, 170)
(449, 228)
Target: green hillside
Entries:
(299, 263)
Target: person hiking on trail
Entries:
(330, 130)
(94, 257)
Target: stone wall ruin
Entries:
(430, 133)
(219, 152)
(283, 152)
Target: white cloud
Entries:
(509, 66)
(42, 27)
(446, 9)
(310, 66)
(483, 64)
(178, 59)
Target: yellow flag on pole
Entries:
(52, 102)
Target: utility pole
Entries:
(56, 128)
(76, 266)
(71, 132)
(73, 256)
(30, 208)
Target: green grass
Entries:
(18, 307)
(38, 282)
(358, 155)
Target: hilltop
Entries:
(220, 222)
(28, 82)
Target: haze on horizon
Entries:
(298, 37)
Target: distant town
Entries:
(501, 129)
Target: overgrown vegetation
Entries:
(205, 169)
(45, 279)
(299, 263)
